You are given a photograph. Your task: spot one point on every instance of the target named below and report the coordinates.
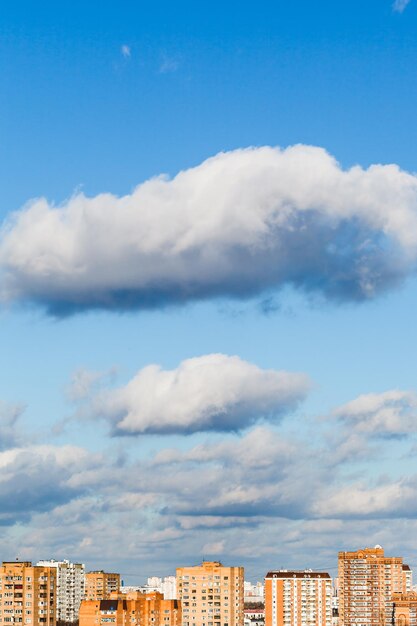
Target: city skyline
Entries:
(208, 253)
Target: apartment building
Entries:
(367, 581)
(70, 583)
(99, 585)
(167, 586)
(403, 609)
(211, 594)
(407, 579)
(298, 598)
(131, 609)
(27, 594)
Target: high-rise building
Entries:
(131, 609)
(99, 585)
(28, 594)
(367, 580)
(211, 594)
(403, 609)
(70, 588)
(298, 598)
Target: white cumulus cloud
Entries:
(214, 392)
(240, 224)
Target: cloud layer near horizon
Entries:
(240, 224)
(186, 501)
(214, 392)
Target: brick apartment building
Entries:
(99, 585)
(368, 580)
(28, 594)
(131, 609)
(211, 594)
(298, 598)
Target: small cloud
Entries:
(10, 415)
(269, 305)
(400, 5)
(84, 382)
(215, 547)
(391, 413)
(126, 52)
(168, 64)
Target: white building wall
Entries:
(70, 588)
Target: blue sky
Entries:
(251, 466)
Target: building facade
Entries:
(211, 594)
(70, 588)
(254, 617)
(403, 609)
(99, 585)
(407, 579)
(167, 586)
(367, 581)
(28, 594)
(131, 609)
(298, 598)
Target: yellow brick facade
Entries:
(27, 594)
(99, 585)
(211, 594)
(367, 581)
(133, 609)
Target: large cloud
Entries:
(239, 224)
(214, 392)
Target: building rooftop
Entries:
(296, 574)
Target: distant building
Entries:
(253, 592)
(295, 598)
(211, 594)
(367, 581)
(167, 586)
(133, 588)
(254, 617)
(28, 594)
(132, 609)
(99, 585)
(70, 588)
